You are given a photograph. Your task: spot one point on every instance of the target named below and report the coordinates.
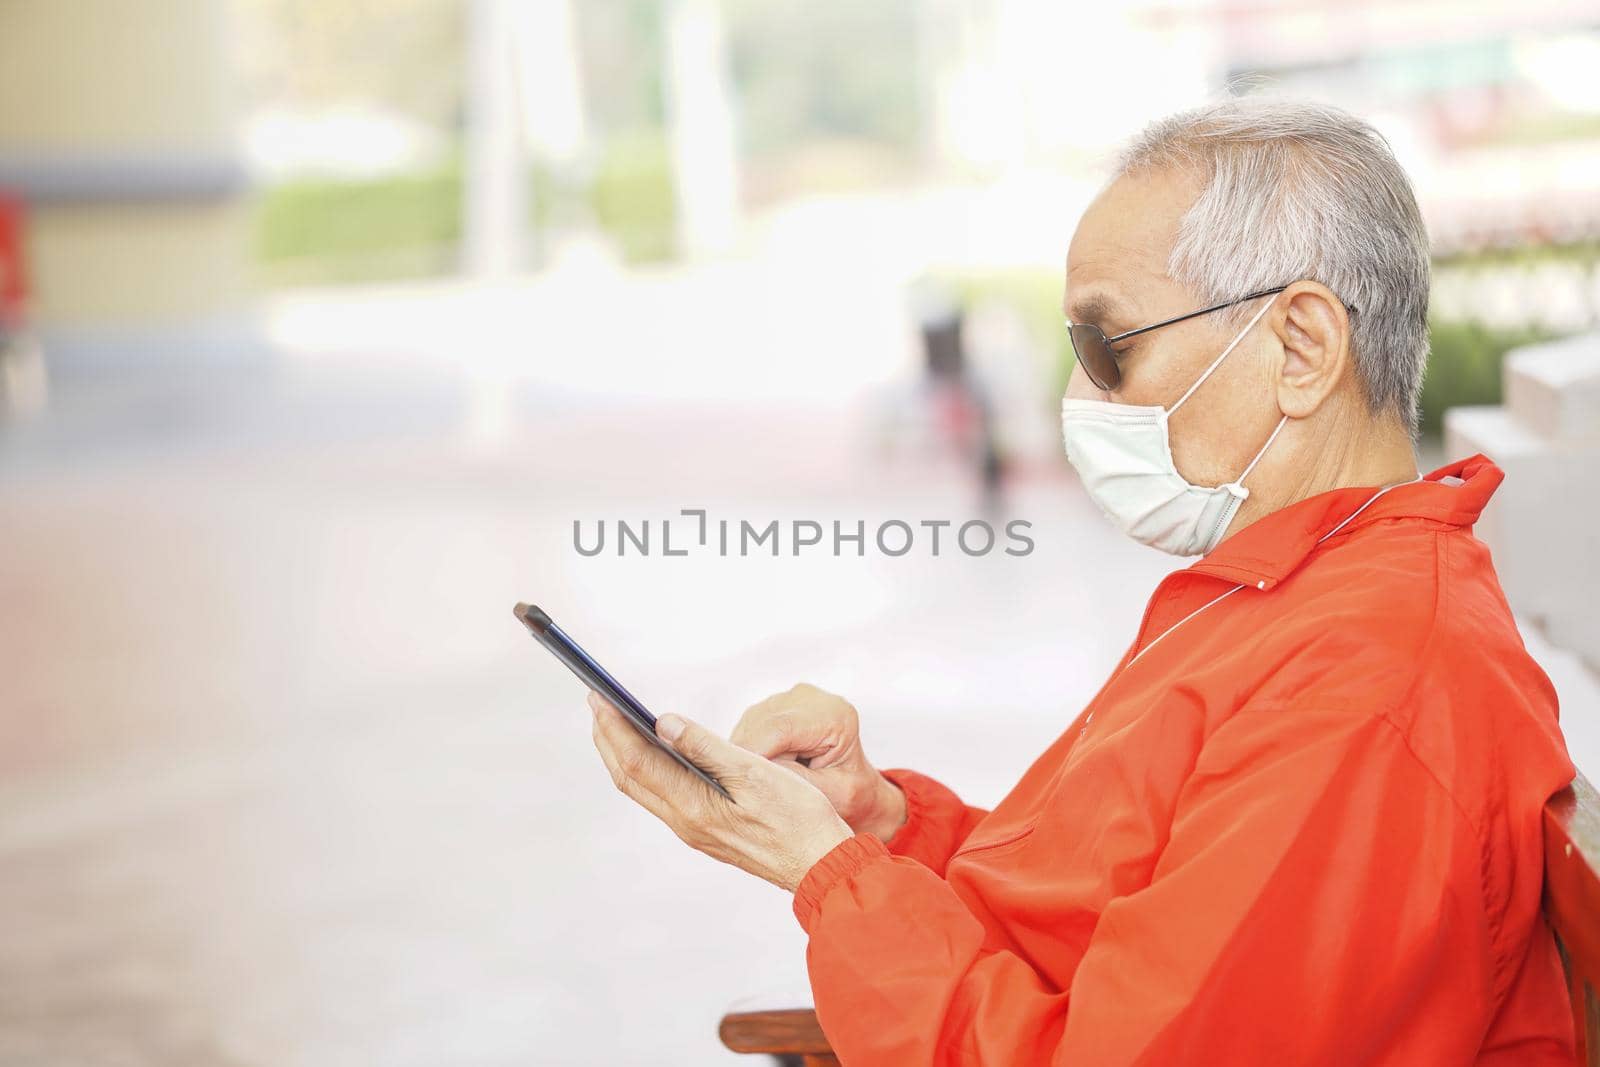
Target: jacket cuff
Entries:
(836, 866)
(915, 788)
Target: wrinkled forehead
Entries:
(1117, 262)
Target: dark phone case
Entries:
(597, 678)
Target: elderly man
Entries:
(1300, 822)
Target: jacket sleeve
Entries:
(1318, 901)
(936, 820)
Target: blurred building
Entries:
(118, 131)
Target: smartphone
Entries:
(596, 677)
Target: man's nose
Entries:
(1079, 387)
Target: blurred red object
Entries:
(13, 278)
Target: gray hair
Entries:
(1300, 190)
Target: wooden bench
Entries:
(1571, 903)
(789, 1035)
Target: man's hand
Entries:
(817, 736)
(777, 827)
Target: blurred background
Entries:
(326, 324)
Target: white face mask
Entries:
(1124, 456)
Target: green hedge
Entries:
(1464, 367)
(314, 231)
(633, 196)
(323, 230)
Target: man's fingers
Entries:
(633, 789)
(670, 786)
(789, 763)
(766, 733)
(634, 763)
(703, 748)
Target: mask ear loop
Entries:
(1236, 487)
(1218, 361)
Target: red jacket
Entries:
(1299, 827)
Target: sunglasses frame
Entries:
(1107, 342)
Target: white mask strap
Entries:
(1218, 361)
(1239, 481)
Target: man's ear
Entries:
(1314, 329)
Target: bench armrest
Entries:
(780, 1032)
(1572, 903)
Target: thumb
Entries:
(702, 747)
(789, 763)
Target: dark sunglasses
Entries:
(1099, 361)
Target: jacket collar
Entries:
(1271, 548)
